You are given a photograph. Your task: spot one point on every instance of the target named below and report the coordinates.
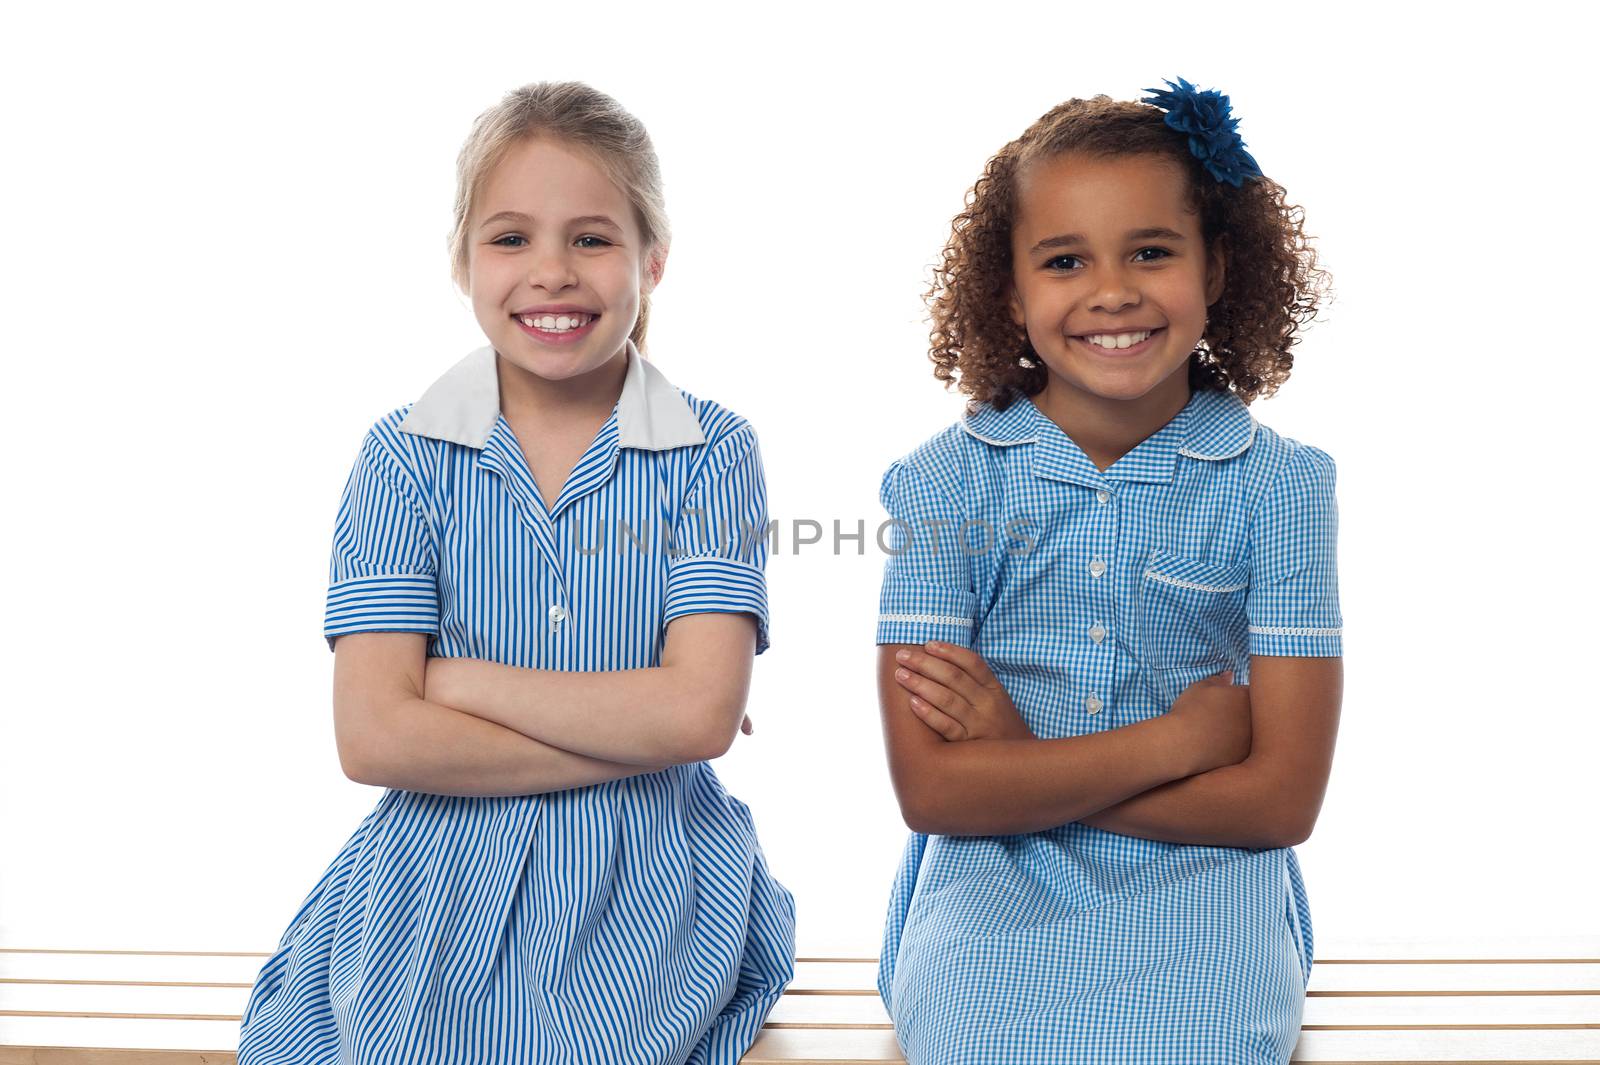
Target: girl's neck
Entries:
(525, 397)
(1106, 429)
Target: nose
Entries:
(551, 269)
(1113, 291)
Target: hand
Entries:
(1217, 713)
(954, 694)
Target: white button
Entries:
(558, 613)
(1103, 496)
(1092, 704)
(1097, 633)
(1097, 567)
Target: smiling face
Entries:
(1106, 248)
(556, 264)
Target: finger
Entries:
(945, 671)
(935, 694)
(970, 661)
(939, 721)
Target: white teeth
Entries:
(1119, 340)
(556, 323)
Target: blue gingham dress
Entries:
(628, 921)
(1210, 541)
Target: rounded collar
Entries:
(1212, 426)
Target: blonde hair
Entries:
(584, 118)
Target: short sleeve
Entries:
(718, 554)
(1293, 602)
(383, 576)
(927, 585)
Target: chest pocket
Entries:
(1191, 613)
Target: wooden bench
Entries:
(1368, 1002)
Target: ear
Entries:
(655, 265)
(1216, 272)
(1014, 305)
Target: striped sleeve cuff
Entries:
(912, 611)
(714, 584)
(1297, 642)
(389, 602)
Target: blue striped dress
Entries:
(629, 921)
(1096, 598)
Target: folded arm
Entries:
(389, 736)
(687, 709)
(1272, 798)
(1004, 786)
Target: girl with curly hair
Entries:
(1110, 662)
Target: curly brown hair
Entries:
(1272, 285)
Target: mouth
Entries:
(1120, 345)
(564, 328)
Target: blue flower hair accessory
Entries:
(1204, 116)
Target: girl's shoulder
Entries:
(399, 456)
(1273, 457)
(978, 442)
(957, 457)
(720, 424)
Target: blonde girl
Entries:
(544, 604)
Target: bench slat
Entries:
(1362, 1007)
(840, 1011)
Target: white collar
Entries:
(463, 405)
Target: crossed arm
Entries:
(472, 727)
(1140, 780)
(1272, 798)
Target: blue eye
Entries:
(508, 236)
(591, 236)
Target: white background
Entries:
(224, 255)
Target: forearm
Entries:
(422, 746)
(1000, 787)
(653, 716)
(1231, 806)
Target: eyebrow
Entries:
(518, 216)
(1066, 240)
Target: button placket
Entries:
(1105, 594)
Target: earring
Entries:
(1025, 362)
